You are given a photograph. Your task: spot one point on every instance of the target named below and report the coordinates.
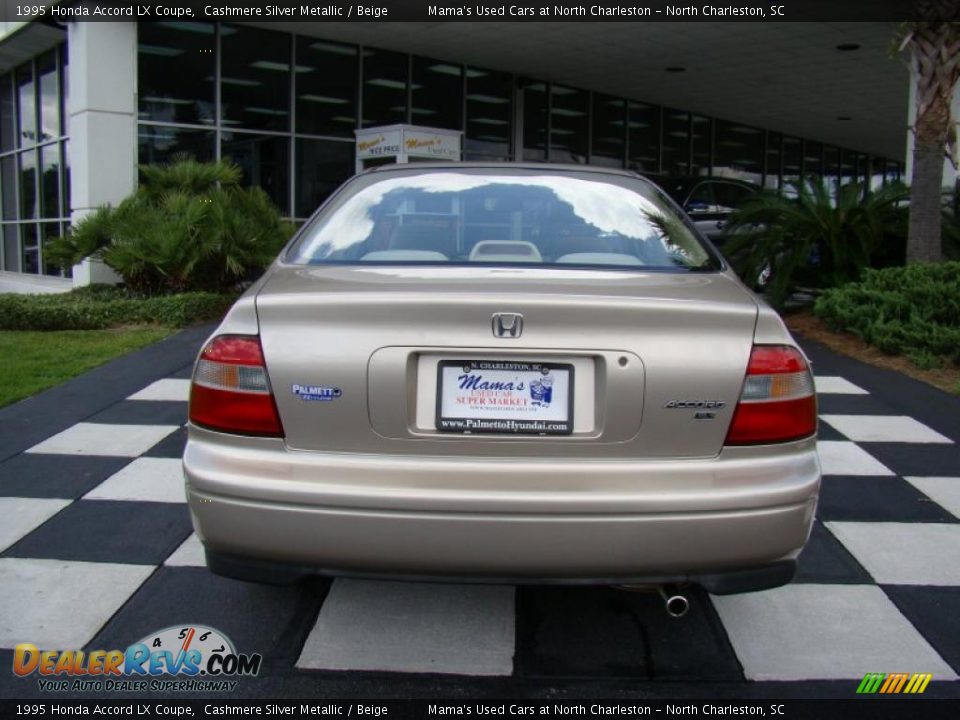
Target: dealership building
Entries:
(83, 103)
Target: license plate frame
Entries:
(538, 400)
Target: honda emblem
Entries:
(507, 325)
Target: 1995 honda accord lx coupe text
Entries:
(508, 373)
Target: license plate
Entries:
(504, 396)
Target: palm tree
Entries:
(815, 237)
(934, 44)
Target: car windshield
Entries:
(529, 219)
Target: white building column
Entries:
(102, 123)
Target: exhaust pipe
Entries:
(675, 604)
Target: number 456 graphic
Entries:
(894, 683)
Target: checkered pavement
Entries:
(96, 551)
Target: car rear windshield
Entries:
(462, 218)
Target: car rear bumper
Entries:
(744, 515)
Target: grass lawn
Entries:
(35, 361)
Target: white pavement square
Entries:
(822, 632)
(23, 515)
(838, 457)
(189, 554)
(61, 604)
(945, 491)
(413, 627)
(884, 428)
(166, 389)
(102, 439)
(828, 384)
(904, 553)
(145, 479)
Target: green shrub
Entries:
(912, 311)
(96, 308)
(189, 227)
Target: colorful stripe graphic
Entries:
(894, 683)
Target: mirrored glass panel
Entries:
(437, 94)
(255, 78)
(676, 142)
(489, 130)
(28, 184)
(8, 131)
(176, 64)
(534, 119)
(609, 131)
(49, 81)
(50, 181)
(11, 248)
(701, 136)
(327, 91)
(26, 106)
(569, 120)
(643, 125)
(738, 151)
(384, 87)
(322, 165)
(771, 178)
(160, 144)
(265, 162)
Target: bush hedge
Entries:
(99, 307)
(912, 311)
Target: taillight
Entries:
(230, 392)
(778, 402)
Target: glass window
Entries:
(771, 176)
(384, 87)
(176, 65)
(701, 139)
(65, 176)
(792, 149)
(569, 119)
(676, 142)
(848, 167)
(534, 120)
(8, 173)
(31, 249)
(738, 151)
(8, 130)
(322, 166)
(831, 168)
(437, 94)
(48, 233)
(65, 87)
(26, 105)
(265, 161)
(49, 96)
(812, 158)
(609, 131)
(11, 248)
(489, 130)
(50, 181)
(28, 184)
(160, 144)
(644, 137)
(876, 172)
(255, 78)
(327, 92)
(502, 219)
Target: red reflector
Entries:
(770, 422)
(772, 359)
(235, 350)
(232, 412)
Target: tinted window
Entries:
(176, 68)
(537, 219)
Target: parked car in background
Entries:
(503, 373)
(708, 201)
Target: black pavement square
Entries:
(935, 612)
(825, 560)
(840, 404)
(608, 632)
(930, 459)
(55, 476)
(142, 412)
(184, 373)
(876, 499)
(272, 620)
(138, 533)
(828, 432)
(170, 447)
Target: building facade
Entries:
(78, 116)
